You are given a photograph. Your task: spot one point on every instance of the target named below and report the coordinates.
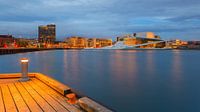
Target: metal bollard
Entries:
(24, 70)
(71, 98)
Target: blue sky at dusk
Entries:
(102, 18)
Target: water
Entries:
(127, 81)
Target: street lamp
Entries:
(24, 69)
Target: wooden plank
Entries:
(8, 100)
(91, 106)
(61, 99)
(48, 98)
(2, 109)
(33, 106)
(43, 104)
(9, 81)
(63, 89)
(21, 105)
(14, 75)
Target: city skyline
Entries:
(167, 18)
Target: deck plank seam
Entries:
(39, 85)
(2, 99)
(22, 97)
(8, 95)
(50, 97)
(28, 86)
(41, 96)
(31, 97)
(13, 99)
(20, 103)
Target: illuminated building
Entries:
(24, 42)
(76, 42)
(6, 39)
(145, 35)
(82, 42)
(194, 44)
(91, 43)
(47, 34)
(130, 41)
(98, 42)
(177, 43)
(144, 38)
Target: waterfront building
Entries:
(104, 42)
(25, 42)
(6, 40)
(157, 37)
(82, 42)
(146, 40)
(177, 43)
(193, 44)
(76, 42)
(91, 43)
(62, 45)
(130, 41)
(47, 34)
(145, 35)
(98, 42)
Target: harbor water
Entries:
(123, 80)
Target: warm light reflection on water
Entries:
(65, 65)
(176, 65)
(177, 71)
(150, 61)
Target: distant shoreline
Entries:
(4, 51)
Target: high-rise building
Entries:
(47, 34)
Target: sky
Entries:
(171, 19)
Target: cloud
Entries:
(102, 18)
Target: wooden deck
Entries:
(32, 96)
(41, 94)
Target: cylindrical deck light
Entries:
(24, 69)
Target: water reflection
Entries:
(125, 68)
(72, 69)
(177, 69)
(118, 66)
(65, 64)
(132, 67)
(177, 72)
(132, 81)
(150, 62)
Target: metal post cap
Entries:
(24, 60)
